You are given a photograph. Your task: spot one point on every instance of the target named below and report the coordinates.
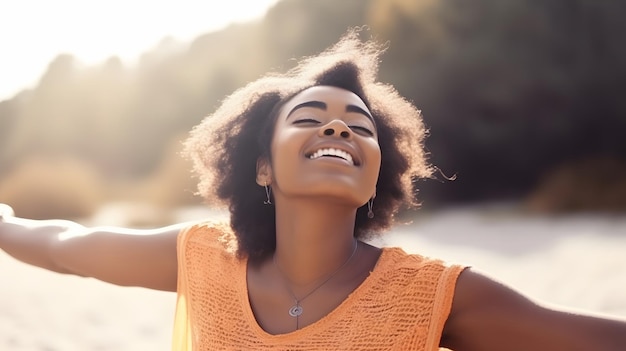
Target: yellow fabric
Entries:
(402, 305)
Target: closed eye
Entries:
(362, 130)
(306, 120)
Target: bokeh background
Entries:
(524, 101)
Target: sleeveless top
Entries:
(402, 305)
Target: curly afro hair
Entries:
(226, 145)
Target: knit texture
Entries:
(402, 305)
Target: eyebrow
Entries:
(315, 104)
(357, 109)
(322, 106)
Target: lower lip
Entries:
(332, 160)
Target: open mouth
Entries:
(332, 152)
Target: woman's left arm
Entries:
(487, 315)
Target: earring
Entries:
(370, 204)
(268, 191)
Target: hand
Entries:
(6, 211)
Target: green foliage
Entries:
(508, 88)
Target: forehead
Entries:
(328, 94)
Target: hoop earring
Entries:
(268, 191)
(370, 204)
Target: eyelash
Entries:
(357, 128)
(363, 129)
(306, 120)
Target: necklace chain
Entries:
(296, 310)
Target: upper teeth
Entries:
(332, 152)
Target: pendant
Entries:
(295, 310)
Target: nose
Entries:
(336, 128)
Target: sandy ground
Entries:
(578, 261)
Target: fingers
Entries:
(6, 211)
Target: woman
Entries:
(308, 163)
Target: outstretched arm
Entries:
(487, 315)
(122, 256)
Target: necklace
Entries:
(296, 310)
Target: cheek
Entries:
(373, 153)
(376, 172)
(286, 150)
(286, 142)
(374, 159)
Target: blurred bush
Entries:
(46, 187)
(590, 185)
(53, 187)
(171, 184)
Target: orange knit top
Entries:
(402, 305)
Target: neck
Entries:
(313, 239)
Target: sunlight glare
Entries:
(33, 32)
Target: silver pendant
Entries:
(295, 310)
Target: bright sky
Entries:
(33, 32)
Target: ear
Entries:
(263, 171)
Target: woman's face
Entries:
(325, 145)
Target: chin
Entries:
(336, 193)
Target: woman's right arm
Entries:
(122, 256)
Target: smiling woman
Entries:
(308, 163)
(239, 135)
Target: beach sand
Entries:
(574, 261)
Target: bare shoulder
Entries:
(488, 315)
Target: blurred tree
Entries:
(510, 89)
(296, 28)
(8, 124)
